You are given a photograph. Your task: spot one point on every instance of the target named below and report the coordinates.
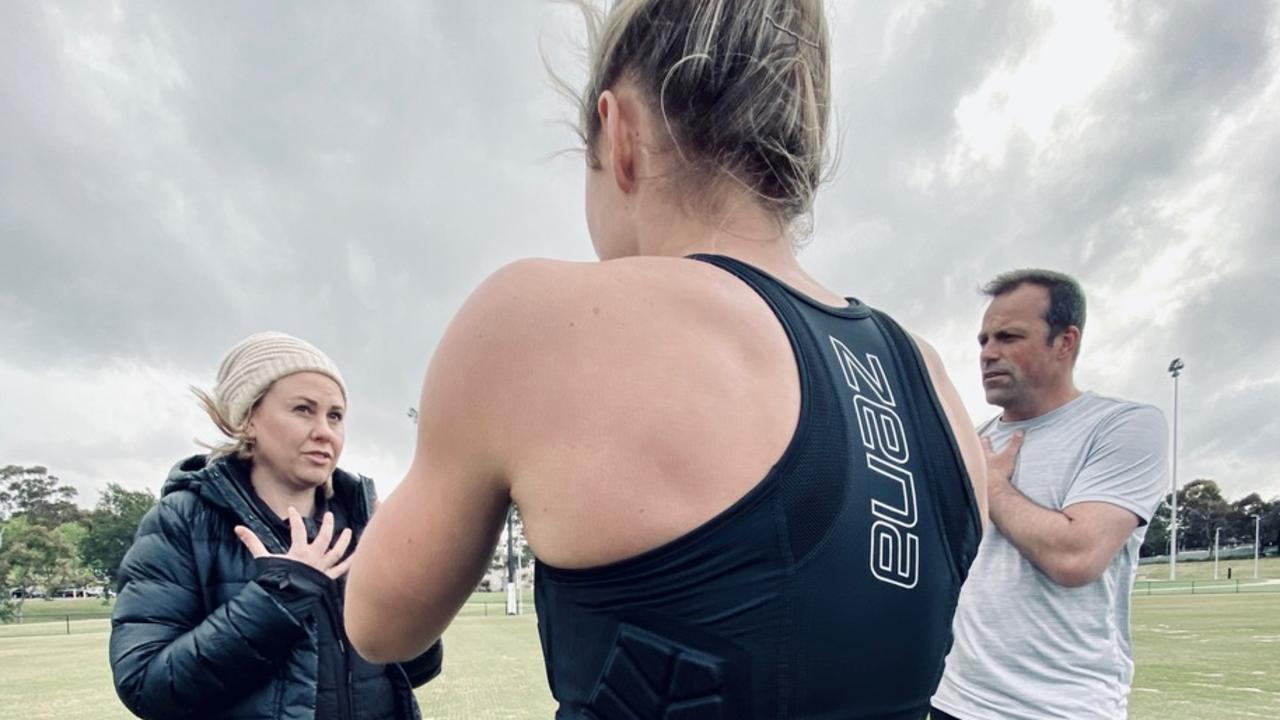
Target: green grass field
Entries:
(1241, 569)
(62, 610)
(1203, 657)
(1198, 657)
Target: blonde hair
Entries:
(238, 445)
(743, 88)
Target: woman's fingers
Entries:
(339, 549)
(251, 541)
(338, 570)
(297, 531)
(324, 536)
(316, 553)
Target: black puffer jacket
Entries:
(200, 629)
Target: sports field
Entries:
(1198, 656)
(1241, 569)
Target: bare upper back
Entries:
(627, 402)
(657, 392)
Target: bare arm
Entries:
(427, 546)
(1072, 546)
(961, 426)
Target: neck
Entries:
(280, 496)
(1044, 404)
(743, 230)
(742, 227)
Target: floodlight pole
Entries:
(1216, 532)
(1175, 369)
(1257, 540)
(513, 597)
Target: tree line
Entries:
(48, 544)
(1202, 510)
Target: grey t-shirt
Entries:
(1026, 647)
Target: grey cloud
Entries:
(1095, 208)
(176, 176)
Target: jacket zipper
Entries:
(345, 709)
(250, 517)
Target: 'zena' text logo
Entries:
(895, 550)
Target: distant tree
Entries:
(498, 561)
(33, 493)
(1156, 541)
(110, 528)
(70, 571)
(1242, 512)
(1273, 523)
(32, 556)
(1201, 509)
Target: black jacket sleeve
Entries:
(170, 655)
(295, 585)
(426, 666)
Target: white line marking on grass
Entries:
(1166, 630)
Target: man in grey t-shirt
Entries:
(1042, 627)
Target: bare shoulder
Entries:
(522, 306)
(546, 331)
(536, 324)
(543, 302)
(543, 350)
(958, 417)
(942, 382)
(933, 364)
(932, 360)
(514, 313)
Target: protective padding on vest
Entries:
(650, 676)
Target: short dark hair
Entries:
(1066, 299)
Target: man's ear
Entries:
(1070, 342)
(619, 135)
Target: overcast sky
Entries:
(175, 176)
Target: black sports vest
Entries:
(827, 591)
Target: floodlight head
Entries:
(1176, 366)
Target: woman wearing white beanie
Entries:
(231, 595)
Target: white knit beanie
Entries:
(259, 360)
